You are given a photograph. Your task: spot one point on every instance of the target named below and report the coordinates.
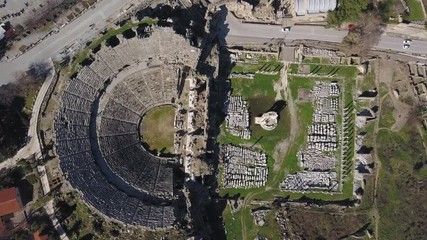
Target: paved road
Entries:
(77, 30)
(262, 33)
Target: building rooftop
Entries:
(36, 235)
(9, 202)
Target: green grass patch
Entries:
(261, 85)
(232, 223)
(157, 128)
(383, 89)
(260, 94)
(312, 60)
(368, 194)
(296, 83)
(41, 202)
(401, 204)
(31, 98)
(345, 72)
(415, 11)
(46, 27)
(368, 82)
(293, 68)
(325, 60)
(369, 138)
(32, 178)
(271, 229)
(386, 115)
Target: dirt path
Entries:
(377, 128)
(387, 72)
(282, 148)
(421, 131)
(401, 114)
(245, 203)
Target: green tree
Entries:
(347, 11)
(366, 35)
(385, 9)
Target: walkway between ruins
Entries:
(294, 130)
(49, 205)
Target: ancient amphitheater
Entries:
(97, 127)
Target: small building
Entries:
(303, 7)
(10, 205)
(10, 201)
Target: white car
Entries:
(407, 41)
(406, 46)
(286, 29)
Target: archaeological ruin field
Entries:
(310, 152)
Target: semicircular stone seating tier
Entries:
(101, 156)
(118, 132)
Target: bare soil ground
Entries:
(395, 76)
(304, 95)
(312, 224)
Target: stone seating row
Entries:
(90, 77)
(111, 126)
(81, 89)
(114, 109)
(75, 102)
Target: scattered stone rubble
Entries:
(419, 80)
(418, 76)
(316, 160)
(194, 139)
(259, 216)
(243, 168)
(334, 57)
(303, 181)
(237, 117)
(309, 51)
(322, 143)
(242, 75)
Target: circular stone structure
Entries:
(157, 129)
(97, 127)
(268, 120)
